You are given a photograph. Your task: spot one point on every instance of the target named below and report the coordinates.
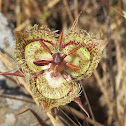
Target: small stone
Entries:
(15, 104)
(9, 120)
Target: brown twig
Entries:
(23, 25)
(11, 79)
(65, 121)
(105, 93)
(55, 122)
(68, 11)
(19, 99)
(68, 117)
(102, 88)
(51, 4)
(5, 60)
(9, 65)
(18, 13)
(111, 70)
(85, 5)
(89, 106)
(74, 116)
(80, 115)
(75, 8)
(64, 20)
(6, 6)
(104, 68)
(0, 5)
(118, 51)
(41, 122)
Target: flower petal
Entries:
(95, 47)
(79, 55)
(28, 47)
(87, 56)
(53, 91)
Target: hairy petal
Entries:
(76, 52)
(60, 91)
(95, 47)
(28, 48)
(87, 56)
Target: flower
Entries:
(52, 66)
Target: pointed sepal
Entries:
(78, 101)
(14, 73)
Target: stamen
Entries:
(42, 62)
(60, 40)
(74, 50)
(74, 67)
(45, 47)
(55, 70)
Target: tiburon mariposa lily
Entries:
(53, 67)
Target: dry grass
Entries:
(107, 17)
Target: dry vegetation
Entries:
(106, 88)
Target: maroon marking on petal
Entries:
(70, 43)
(69, 92)
(74, 50)
(45, 47)
(32, 40)
(50, 42)
(21, 47)
(35, 78)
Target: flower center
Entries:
(57, 58)
(57, 64)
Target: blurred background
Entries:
(105, 89)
